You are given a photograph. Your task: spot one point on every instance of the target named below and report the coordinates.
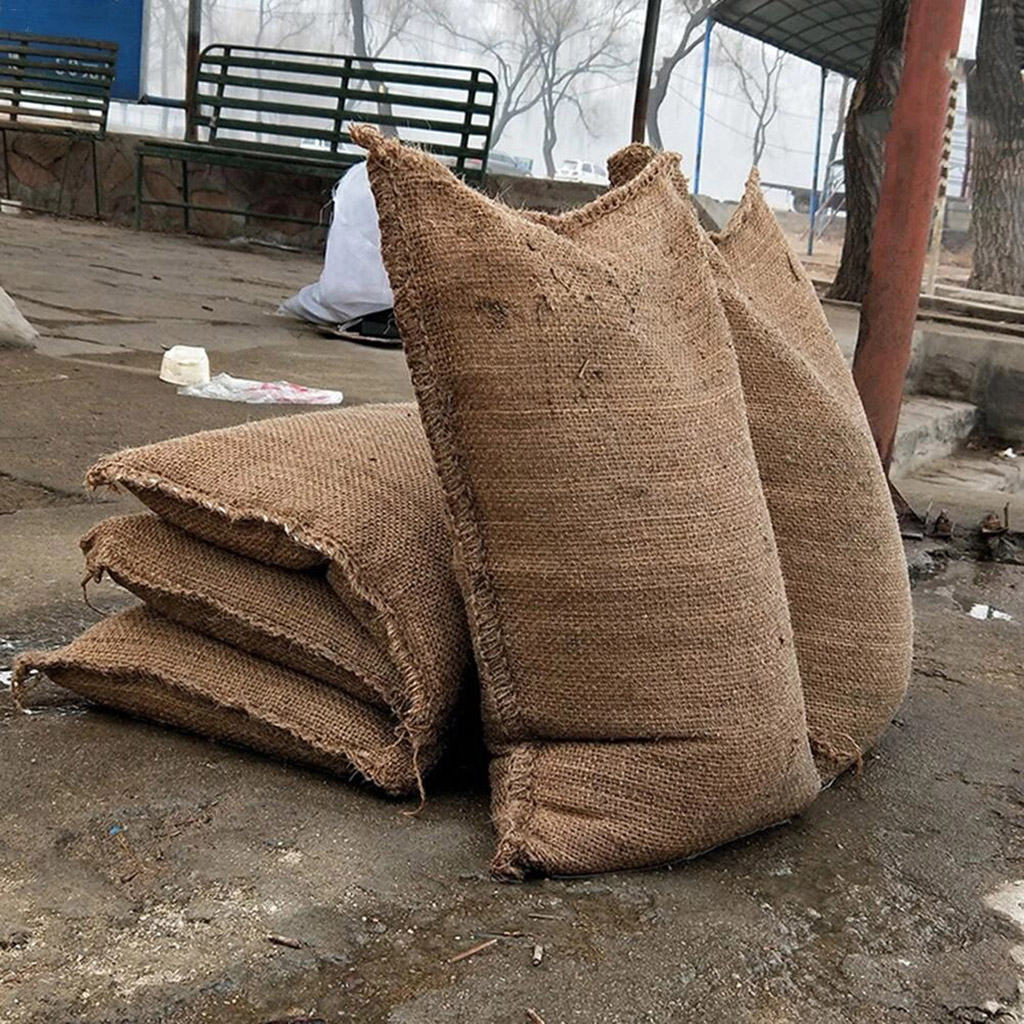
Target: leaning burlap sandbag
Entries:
(354, 489)
(579, 390)
(292, 618)
(842, 557)
(146, 665)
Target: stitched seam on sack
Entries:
(454, 478)
(471, 564)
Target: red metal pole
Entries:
(913, 150)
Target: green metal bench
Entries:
(56, 85)
(286, 112)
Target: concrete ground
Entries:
(145, 871)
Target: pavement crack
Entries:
(936, 673)
(108, 316)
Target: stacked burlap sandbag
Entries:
(579, 389)
(298, 589)
(839, 543)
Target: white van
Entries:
(582, 170)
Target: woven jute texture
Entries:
(293, 618)
(842, 557)
(354, 489)
(582, 400)
(144, 664)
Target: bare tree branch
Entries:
(541, 51)
(757, 76)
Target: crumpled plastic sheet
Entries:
(261, 392)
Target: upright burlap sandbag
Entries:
(353, 489)
(582, 401)
(842, 557)
(292, 618)
(144, 664)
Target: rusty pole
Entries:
(192, 44)
(643, 74)
(913, 149)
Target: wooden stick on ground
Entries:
(473, 951)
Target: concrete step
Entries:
(978, 470)
(966, 496)
(968, 485)
(930, 429)
(966, 362)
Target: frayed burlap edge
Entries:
(345, 760)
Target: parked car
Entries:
(505, 163)
(497, 163)
(582, 170)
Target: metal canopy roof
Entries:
(837, 34)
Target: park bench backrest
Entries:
(50, 83)
(301, 103)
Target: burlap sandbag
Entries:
(144, 664)
(579, 390)
(355, 489)
(842, 557)
(292, 618)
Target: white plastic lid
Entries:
(185, 364)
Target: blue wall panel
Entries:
(117, 21)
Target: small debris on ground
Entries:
(538, 955)
(261, 392)
(984, 611)
(992, 523)
(15, 940)
(943, 526)
(466, 953)
(285, 940)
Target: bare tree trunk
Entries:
(550, 136)
(358, 28)
(837, 134)
(663, 76)
(760, 140)
(360, 49)
(995, 101)
(864, 149)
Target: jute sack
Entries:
(579, 390)
(292, 618)
(354, 489)
(146, 665)
(842, 557)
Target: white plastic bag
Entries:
(15, 330)
(353, 281)
(260, 392)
